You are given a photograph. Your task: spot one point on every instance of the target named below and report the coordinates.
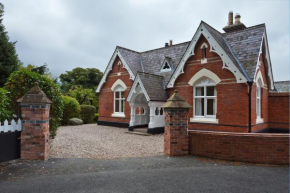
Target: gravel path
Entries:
(102, 142)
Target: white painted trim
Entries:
(204, 45)
(204, 120)
(214, 47)
(259, 76)
(259, 120)
(267, 55)
(110, 66)
(118, 82)
(204, 73)
(133, 88)
(118, 115)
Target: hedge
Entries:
(71, 109)
(5, 101)
(19, 82)
(88, 113)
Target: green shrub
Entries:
(88, 113)
(71, 109)
(19, 82)
(5, 101)
(96, 117)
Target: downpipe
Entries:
(250, 106)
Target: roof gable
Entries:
(217, 45)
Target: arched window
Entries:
(205, 98)
(258, 97)
(203, 48)
(119, 100)
(119, 67)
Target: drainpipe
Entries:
(250, 106)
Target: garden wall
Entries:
(245, 147)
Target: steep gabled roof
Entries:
(246, 46)
(152, 86)
(282, 86)
(132, 58)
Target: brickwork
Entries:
(252, 147)
(279, 110)
(175, 134)
(232, 98)
(106, 95)
(35, 131)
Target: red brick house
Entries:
(226, 77)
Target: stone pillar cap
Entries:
(35, 95)
(176, 102)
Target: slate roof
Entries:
(246, 46)
(154, 86)
(241, 46)
(282, 86)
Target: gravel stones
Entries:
(103, 142)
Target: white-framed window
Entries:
(259, 103)
(204, 101)
(119, 100)
(203, 48)
(165, 67)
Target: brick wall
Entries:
(279, 110)
(106, 95)
(251, 147)
(232, 98)
(35, 131)
(175, 132)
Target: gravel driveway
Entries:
(102, 142)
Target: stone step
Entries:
(138, 133)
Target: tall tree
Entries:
(88, 78)
(9, 61)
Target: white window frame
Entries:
(119, 89)
(206, 118)
(203, 48)
(165, 70)
(259, 101)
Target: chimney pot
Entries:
(237, 18)
(170, 42)
(166, 44)
(230, 19)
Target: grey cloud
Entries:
(67, 34)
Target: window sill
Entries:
(118, 115)
(259, 120)
(203, 61)
(204, 120)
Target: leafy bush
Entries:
(96, 117)
(19, 82)
(71, 109)
(88, 113)
(4, 105)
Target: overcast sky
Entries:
(71, 33)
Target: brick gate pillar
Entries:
(35, 106)
(176, 123)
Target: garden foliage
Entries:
(71, 109)
(88, 113)
(5, 113)
(20, 82)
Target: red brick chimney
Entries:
(170, 42)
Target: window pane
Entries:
(210, 91)
(258, 108)
(199, 91)
(122, 106)
(210, 106)
(117, 95)
(117, 107)
(199, 107)
(122, 95)
(156, 111)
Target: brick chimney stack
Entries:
(238, 25)
(170, 42)
(231, 17)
